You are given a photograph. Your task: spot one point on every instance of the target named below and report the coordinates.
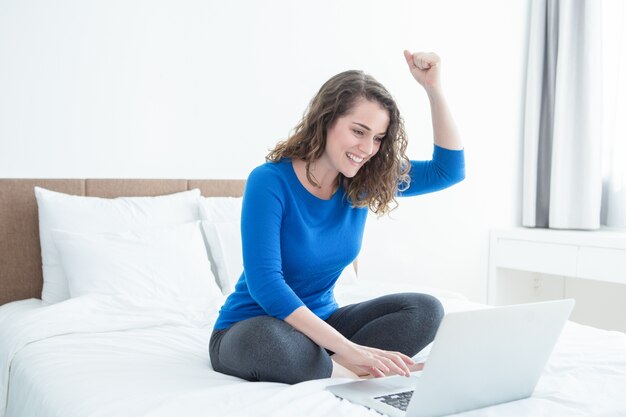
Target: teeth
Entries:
(354, 158)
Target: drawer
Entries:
(604, 264)
(547, 258)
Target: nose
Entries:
(367, 146)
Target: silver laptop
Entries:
(479, 358)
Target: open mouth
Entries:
(357, 160)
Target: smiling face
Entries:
(322, 148)
(354, 138)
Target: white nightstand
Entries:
(594, 255)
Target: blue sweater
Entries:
(296, 245)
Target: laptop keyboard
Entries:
(399, 400)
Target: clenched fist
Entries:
(425, 68)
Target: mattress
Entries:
(104, 356)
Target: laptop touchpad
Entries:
(376, 386)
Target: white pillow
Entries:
(167, 264)
(224, 243)
(220, 209)
(100, 215)
(221, 218)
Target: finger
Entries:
(377, 373)
(363, 370)
(399, 359)
(406, 359)
(384, 367)
(426, 60)
(388, 362)
(396, 368)
(402, 364)
(417, 367)
(380, 365)
(409, 59)
(423, 64)
(394, 362)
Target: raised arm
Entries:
(447, 166)
(426, 68)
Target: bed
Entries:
(108, 354)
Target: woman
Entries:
(302, 222)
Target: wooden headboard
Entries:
(20, 252)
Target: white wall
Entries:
(202, 89)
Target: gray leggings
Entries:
(265, 348)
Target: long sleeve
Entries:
(261, 220)
(446, 168)
(295, 246)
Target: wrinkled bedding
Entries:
(111, 356)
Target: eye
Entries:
(358, 132)
(379, 139)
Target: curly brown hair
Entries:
(376, 183)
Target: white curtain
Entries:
(563, 116)
(614, 104)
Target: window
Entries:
(614, 113)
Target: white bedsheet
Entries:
(104, 356)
